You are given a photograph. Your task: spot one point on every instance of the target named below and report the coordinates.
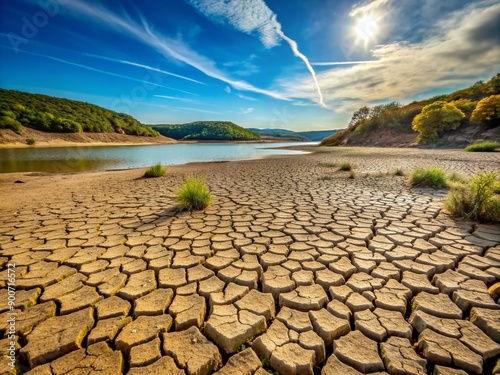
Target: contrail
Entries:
(253, 16)
(295, 48)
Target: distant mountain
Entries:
(454, 120)
(207, 131)
(305, 136)
(57, 115)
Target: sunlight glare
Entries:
(367, 27)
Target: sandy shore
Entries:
(292, 246)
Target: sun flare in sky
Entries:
(367, 28)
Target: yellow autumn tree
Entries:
(488, 111)
(437, 118)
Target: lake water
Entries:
(88, 158)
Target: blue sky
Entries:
(301, 65)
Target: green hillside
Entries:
(51, 114)
(207, 131)
(458, 117)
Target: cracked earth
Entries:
(296, 268)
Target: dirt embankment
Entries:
(9, 138)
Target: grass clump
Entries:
(31, 141)
(398, 172)
(156, 170)
(194, 194)
(476, 199)
(428, 177)
(328, 165)
(345, 167)
(483, 147)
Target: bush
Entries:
(345, 167)
(487, 111)
(156, 170)
(436, 118)
(428, 177)
(483, 147)
(30, 141)
(194, 194)
(475, 199)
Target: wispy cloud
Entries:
(147, 67)
(367, 7)
(463, 45)
(227, 89)
(92, 68)
(175, 98)
(171, 48)
(241, 96)
(334, 63)
(253, 16)
(248, 110)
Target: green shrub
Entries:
(328, 165)
(483, 147)
(475, 199)
(156, 170)
(436, 118)
(194, 194)
(345, 167)
(428, 177)
(30, 141)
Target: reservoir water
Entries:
(88, 158)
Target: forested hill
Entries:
(456, 119)
(207, 131)
(51, 114)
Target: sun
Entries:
(367, 28)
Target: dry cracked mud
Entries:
(295, 268)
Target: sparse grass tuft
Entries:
(194, 194)
(328, 165)
(475, 199)
(483, 147)
(345, 167)
(156, 170)
(31, 141)
(428, 177)
(398, 172)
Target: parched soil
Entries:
(296, 267)
(9, 138)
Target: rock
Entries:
(165, 365)
(112, 307)
(154, 303)
(291, 359)
(327, 326)
(138, 285)
(57, 336)
(230, 328)
(145, 354)
(79, 299)
(358, 351)
(258, 303)
(488, 320)
(494, 291)
(27, 320)
(444, 350)
(107, 329)
(192, 351)
(400, 357)
(188, 311)
(439, 305)
(441, 370)
(141, 330)
(243, 363)
(335, 367)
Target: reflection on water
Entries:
(76, 159)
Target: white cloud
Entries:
(251, 16)
(367, 7)
(248, 110)
(241, 96)
(175, 98)
(228, 89)
(171, 48)
(464, 45)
